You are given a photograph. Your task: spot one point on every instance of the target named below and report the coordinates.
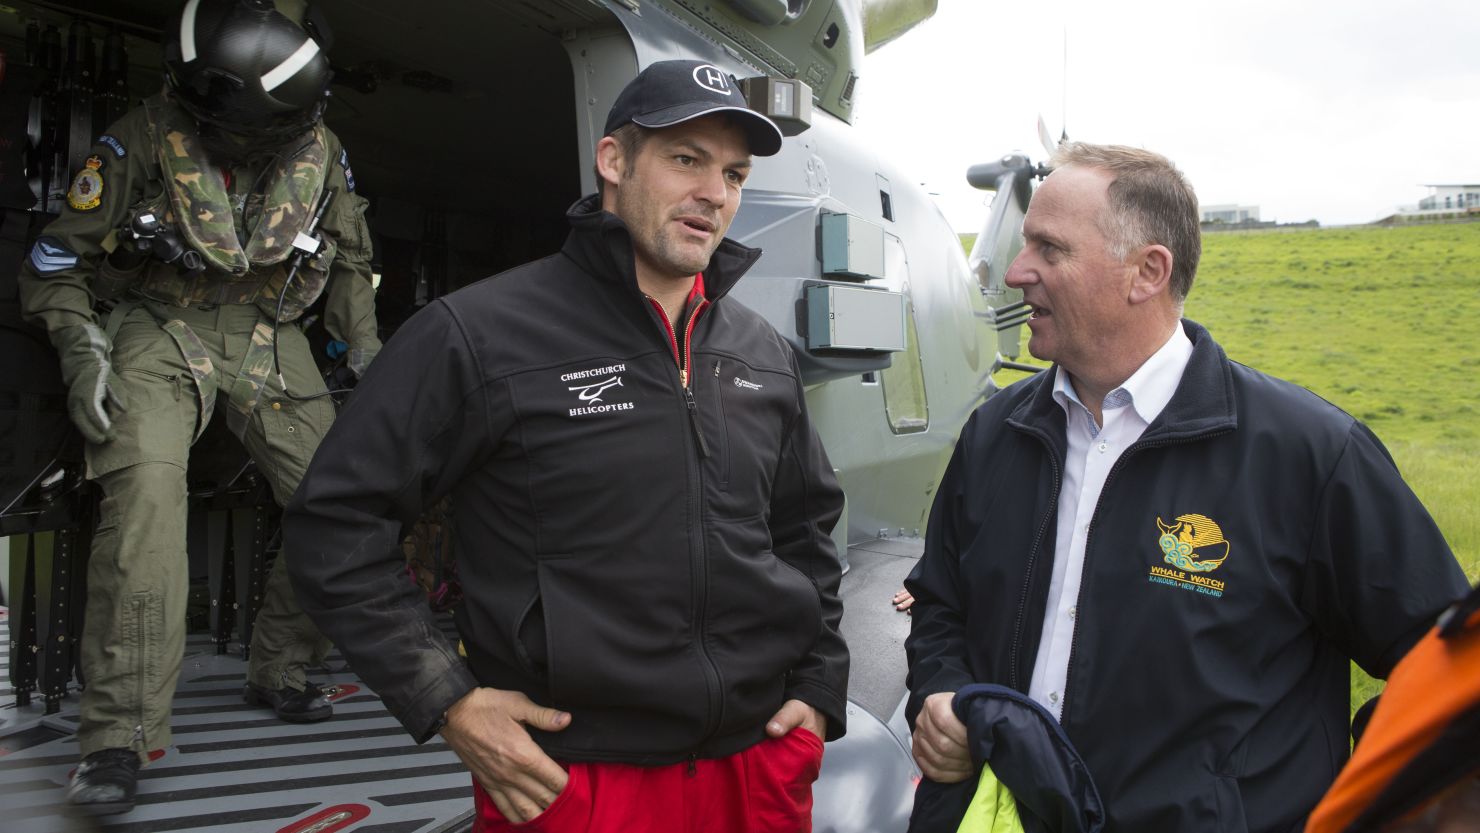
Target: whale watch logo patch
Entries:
(1192, 546)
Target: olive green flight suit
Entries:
(179, 352)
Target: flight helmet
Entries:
(253, 68)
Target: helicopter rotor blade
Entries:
(1043, 136)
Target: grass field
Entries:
(1383, 322)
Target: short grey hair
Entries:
(1151, 202)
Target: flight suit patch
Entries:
(114, 145)
(86, 193)
(49, 256)
(349, 175)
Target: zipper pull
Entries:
(693, 407)
(693, 765)
(716, 368)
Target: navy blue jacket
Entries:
(1028, 753)
(1252, 541)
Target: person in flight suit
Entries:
(187, 214)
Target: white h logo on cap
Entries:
(712, 78)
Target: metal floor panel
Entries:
(235, 768)
(874, 629)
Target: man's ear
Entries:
(1153, 275)
(610, 162)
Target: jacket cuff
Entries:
(425, 715)
(833, 706)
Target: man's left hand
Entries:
(795, 713)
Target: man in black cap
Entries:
(642, 504)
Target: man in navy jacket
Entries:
(1176, 555)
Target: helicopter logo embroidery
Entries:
(593, 392)
(1194, 546)
(712, 78)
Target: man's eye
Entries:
(684, 160)
(736, 177)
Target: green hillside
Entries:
(1383, 322)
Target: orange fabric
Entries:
(1433, 684)
(767, 787)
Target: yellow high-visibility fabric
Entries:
(992, 808)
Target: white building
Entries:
(1230, 214)
(1450, 198)
(1444, 199)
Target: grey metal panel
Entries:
(852, 246)
(853, 318)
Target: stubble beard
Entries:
(682, 259)
(654, 238)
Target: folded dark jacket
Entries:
(1030, 755)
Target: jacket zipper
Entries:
(1017, 634)
(682, 357)
(1089, 535)
(698, 558)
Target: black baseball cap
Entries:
(673, 92)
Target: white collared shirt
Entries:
(1093, 450)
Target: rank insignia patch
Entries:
(49, 256)
(86, 192)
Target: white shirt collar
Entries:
(1148, 390)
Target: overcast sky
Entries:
(1334, 111)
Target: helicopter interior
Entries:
(459, 119)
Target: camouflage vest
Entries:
(200, 209)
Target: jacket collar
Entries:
(601, 245)
(1203, 403)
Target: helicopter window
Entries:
(830, 39)
(885, 205)
(904, 383)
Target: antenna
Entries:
(1064, 92)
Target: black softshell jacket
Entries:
(654, 561)
(1213, 700)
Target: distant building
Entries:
(1442, 201)
(1229, 214)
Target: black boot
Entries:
(306, 706)
(105, 782)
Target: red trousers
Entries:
(764, 789)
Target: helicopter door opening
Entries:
(461, 121)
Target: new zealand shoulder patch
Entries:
(1192, 547)
(86, 192)
(113, 144)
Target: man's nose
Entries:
(712, 188)
(1018, 274)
